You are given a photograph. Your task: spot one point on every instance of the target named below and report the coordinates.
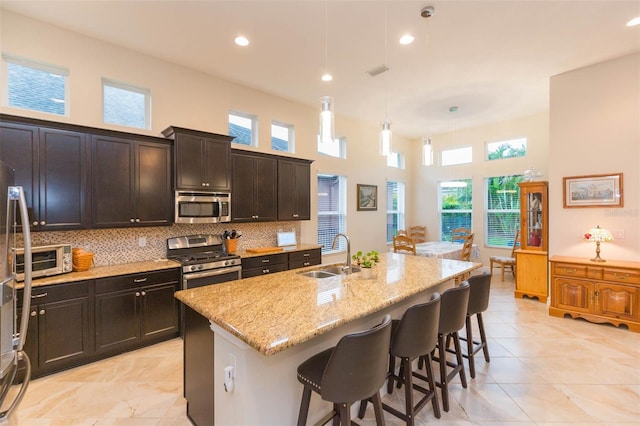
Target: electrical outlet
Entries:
(142, 241)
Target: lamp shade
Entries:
(385, 138)
(326, 132)
(598, 235)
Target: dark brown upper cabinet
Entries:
(131, 182)
(202, 160)
(53, 166)
(294, 189)
(254, 187)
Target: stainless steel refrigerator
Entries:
(12, 334)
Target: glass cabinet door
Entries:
(533, 215)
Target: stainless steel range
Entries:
(203, 260)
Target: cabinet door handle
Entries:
(132, 220)
(621, 276)
(137, 220)
(137, 294)
(296, 215)
(265, 271)
(307, 263)
(139, 280)
(144, 293)
(34, 313)
(38, 296)
(42, 222)
(35, 223)
(41, 311)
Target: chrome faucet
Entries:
(347, 266)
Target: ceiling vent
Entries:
(378, 70)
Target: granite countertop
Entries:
(106, 271)
(253, 309)
(286, 249)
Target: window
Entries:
(395, 209)
(332, 216)
(244, 127)
(126, 105)
(35, 86)
(502, 210)
(282, 137)
(455, 199)
(454, 156)
(507, 149)
(338, 148)
(395, 159)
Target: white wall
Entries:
(187, 98)
(595, 129)
(425, 196)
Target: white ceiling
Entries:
(492, 59)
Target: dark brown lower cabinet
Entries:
(134, 310)
(60, 323)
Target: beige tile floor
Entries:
(543, 371)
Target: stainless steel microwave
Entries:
(203, 207)
(46, 260)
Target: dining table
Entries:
(444, 250)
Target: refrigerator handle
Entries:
(17, 193)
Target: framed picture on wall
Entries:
(593, 191)
(367, 197)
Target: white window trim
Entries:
(41, 66)
(254, 125)
(401, 204)
(128, 87)
(342, 211)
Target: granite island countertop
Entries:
(277, 311)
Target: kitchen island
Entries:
(263, 327)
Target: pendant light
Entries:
(385, 133)
(326, 131)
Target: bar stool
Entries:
(453, 313)
(354, 370)
(415, 334)
(480, 287)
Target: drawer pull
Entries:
(306, 255)
(38, 296)
(570, 270)
(139, 280)
(621, 276)
(265, 261)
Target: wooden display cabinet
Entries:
(598, 292)
(532, 257)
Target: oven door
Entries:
(215, 276)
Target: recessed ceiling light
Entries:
(242, 41)
(634, 22)
(407, 39)
(327, 77)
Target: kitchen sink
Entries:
(327, 272)
(318, 274)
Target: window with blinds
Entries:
(395, 209)
(332, 216)
(455, 204)
(502, 210)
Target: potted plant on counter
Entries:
(366, 261)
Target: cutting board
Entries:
(264, 249)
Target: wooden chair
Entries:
(458, 234)
(418, 233)
(403, 232)
(504, 261)
(403, 243)
(465, 254)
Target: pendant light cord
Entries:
(385, 60)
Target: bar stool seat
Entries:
(353, 370)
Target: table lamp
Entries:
(598, 234)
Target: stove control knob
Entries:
(192, 268)
(200, 266)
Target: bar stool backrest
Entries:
(417, 332)
(480, 287)
(453, 308)
(357, 367)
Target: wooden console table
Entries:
(601, 292)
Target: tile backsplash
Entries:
(122, 245)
